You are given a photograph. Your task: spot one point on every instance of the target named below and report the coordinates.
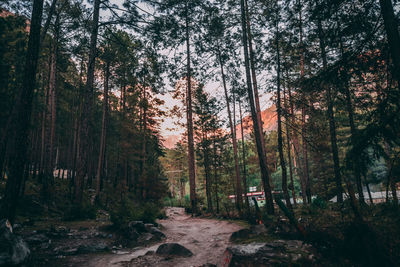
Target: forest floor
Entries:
(206, 238)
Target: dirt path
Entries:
(206, 238)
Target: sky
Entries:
(214, 88)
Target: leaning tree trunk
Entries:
(191, 159)
(23, 115)
(82, 166)
(256, 127)
(239, 191)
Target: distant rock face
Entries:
(275, 253)
(173, 249)
(268, 117)
(13, 249)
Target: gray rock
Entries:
(157, 233)
(173, 249)
(13, 249)
(65, 251)
(37, 239)
(96, 247)
(137, 225)
(275, 253)
(241, 234)
(145, 237)
(148, 226)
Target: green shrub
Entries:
(127, 210)
(80, 212)
(319, 203)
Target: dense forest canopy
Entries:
(83, 88)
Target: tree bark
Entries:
(82, 166)
(100, 165)
(239, 191)
(279, 114)
(288, 143)
(244, 176)
(254, 76)
(305, 171)
(392, 32)
(23, 115)
(256, 127)
(215, 173)
(332, 127)
(191, 159)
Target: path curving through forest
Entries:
(206, 238)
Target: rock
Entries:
(150, 252)
(96, 247)
(258, 229)
(157, 233)
(275, 253)
(13, 249)
(173, 249)
(138, 226)
(241, 234)
(208, 265)
(65, 251)
(148, 226)
(37, 239)
(132, 234)
(145, 237)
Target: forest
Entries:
(285, 119)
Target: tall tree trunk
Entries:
(23, 115)
(279, 114)
(332, 127)
(288, 143)
(305, 172)
(244, 176)
(191, 159)
(253, 75)
(392, 32)
(349, 106)
(82, 166)
(259, 144)
(215, 173)
(295, 142)
(206, 160)
(390, 176)
(48, 21)
(100, 167)
(334, 147)
(142, 176)
(239, 191)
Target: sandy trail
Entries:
(206, 238)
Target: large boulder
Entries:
(13, 249)
(275, 253)
(173, 249)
